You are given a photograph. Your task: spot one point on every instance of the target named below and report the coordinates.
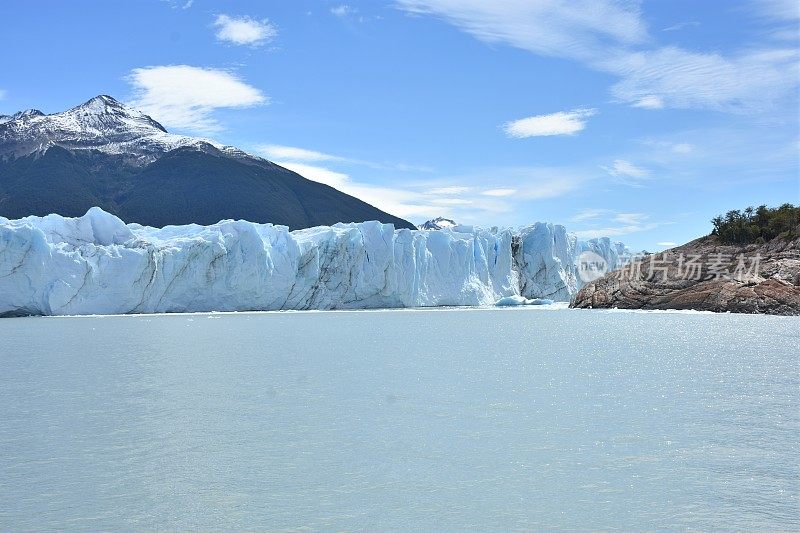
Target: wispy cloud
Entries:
(784, 10)
(452, 201)
(682, 25)
(667, 244)
(561, 123)
(183, 4)
(561, 28)
(296, 154)
(405, 202)
(185, 97)
(2, 94)
(650, 101)
(671, 147)
(342, 10)
(616, 224)
(590, 214)
(724, 159)
(499, 192)
(244, 30)
(453, 189)
(630, 218)
(516, 186)
(611, 36)
(613, 231)
(337, 180)
(627, 173)
(749, 82)
(293, 153)
(463, 197)
(397, 201)
(682, 148)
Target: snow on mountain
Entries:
(103, 153)
(102, 124)
(96, 264)
(28, 113)
(439, 223)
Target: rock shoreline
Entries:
(756, 279)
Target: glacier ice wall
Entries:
(96, 264)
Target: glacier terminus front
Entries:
(97, 264)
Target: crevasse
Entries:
(96, 264)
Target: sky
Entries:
(635, 120)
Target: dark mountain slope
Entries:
(184, 186)
(187, 186)
(55, 182)
(103, 153)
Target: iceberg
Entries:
(97, 264)
(516, 300)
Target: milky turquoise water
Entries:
(401, 420)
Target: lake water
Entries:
(414, 420)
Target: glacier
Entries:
(97, 264)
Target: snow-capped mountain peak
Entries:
(28, 113)
(439, 223)
(101, 123)
(21, 115)
(104, 112)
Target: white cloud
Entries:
(589, 214)
(673, 147)
(468, 201)
(667, 244)
(620, 224)
(613, 231)
(474, 204)
(723, 158)
(682, 148)
(244, 30)
(682, 25)
(342, 10)
(610, 36)
(185, 97)
(2, 94)
(178, 3)
(649, 102)
(296, 154)
(452, 189)
(561, 28)
(626, 172)
(337, 180)
(499, 192)
(278, 151)
(561, 123)
(452, 201)
(400, 202)
(749, 82)
(630, 218)
(787, 10)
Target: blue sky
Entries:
(638, 120)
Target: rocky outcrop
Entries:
(705, 275)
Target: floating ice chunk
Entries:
(515, 300)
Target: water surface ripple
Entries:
(416, 420)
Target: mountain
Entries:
(439, 223)
(105, 154)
